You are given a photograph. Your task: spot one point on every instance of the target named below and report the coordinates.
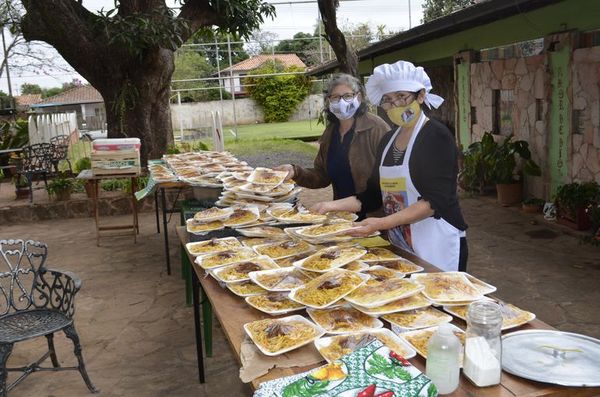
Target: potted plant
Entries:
(507, 171)
(575, 203)
(533, 205)
(60, 188)
(476, 173)
(21, 186)
(85, 163)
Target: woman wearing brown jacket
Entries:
(348, 146)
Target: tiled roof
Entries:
(28, 99)
(81, 94)
(256, 61)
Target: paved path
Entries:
(137, 333)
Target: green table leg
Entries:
(207, 320)
(186, 272)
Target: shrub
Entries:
(278, 95)
(84, 163)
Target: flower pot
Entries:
(89, 188)
(63, 195)
(531, 208)
(581, 221)
(22, 192)
(509, 193)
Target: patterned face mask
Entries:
(344, 110)
(405, 116)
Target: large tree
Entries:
(343, 50)
(127, 53)
(433, 9)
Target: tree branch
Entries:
(69, 27)
(198, 14)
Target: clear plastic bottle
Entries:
(443, 359)
(483, 344)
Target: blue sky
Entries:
(291, 18)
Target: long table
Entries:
(232, 312)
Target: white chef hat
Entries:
(400, 76)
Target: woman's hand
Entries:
(324, 207)
(286, 167)
(367, 227)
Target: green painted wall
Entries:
(560, 117)
(463, 84)
(569, 14)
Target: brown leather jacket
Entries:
(368, 131)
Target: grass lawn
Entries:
(252, 146)
(289, 130)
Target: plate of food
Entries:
(213, 214)
(267, 176)
(229, 257)
(483, 287)
(325, 230)
(333, 348)
(280, 250)
(270, 190)
(380, 273)
(254, 197)
(330, 258)
(341, 216)
(328, 288)
(242, 216)
(419, 339)
(281, 279)
(213, 245)
(281, 335)
(375, 254)
(246, 288)
(343, 319)
(289, 260)
(201, 229)
(356, 266)
(262, 231)
(240, 271)
(447, 287)
(401, 265)
(295, 214)
(512, 316)
(377, 293)
(274, 303)
(416, 319)
(412, 302)
(255, 241)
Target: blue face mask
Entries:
(344, 110)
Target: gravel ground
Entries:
(273, 159)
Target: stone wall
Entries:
(585, 148)
(528, 80)
(74, 208)
(197, 115)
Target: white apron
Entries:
(433, 240)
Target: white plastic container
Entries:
(443, 359)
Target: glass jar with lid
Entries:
(483, 344)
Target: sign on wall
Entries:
(560, 117)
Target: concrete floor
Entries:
(137, 334)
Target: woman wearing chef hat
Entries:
(415, 175)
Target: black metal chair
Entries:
(35, 301)
(36, 161)
(61, 151)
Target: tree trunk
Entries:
(137, 103)
(344, 52)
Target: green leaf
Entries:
(432, 390)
